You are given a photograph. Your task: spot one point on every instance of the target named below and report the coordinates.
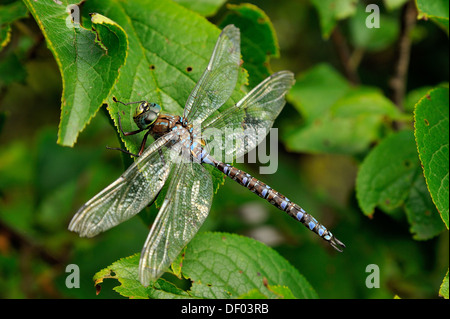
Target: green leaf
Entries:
(390, 178)
(394, 4)
(8, 14)
(413, 96)
(364, 101)
(253, 294)
(89, 62)
(307, 93)
(423, 217)
(282, 292)
(437, 11)
(258, 39)
(443, 291)
(224, 265)
(372, 39)
(5, 35)
(345, 120)
(125, 270)
(220, 265)
(331, 11)
(206, 8)
(432, 138)
(387, 173)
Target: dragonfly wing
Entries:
(130, 193)
(219, 78)
(243, 126)
(183, 211)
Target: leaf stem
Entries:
(398, 80)
(345, 57)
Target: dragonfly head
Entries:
(146, 114)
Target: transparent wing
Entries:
(130, 193)
(243, 126)
(219, 78)
(183, 211)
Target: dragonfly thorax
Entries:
(146, 114)
(164, 124)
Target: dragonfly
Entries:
(178, 157)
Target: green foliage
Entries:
(346, 120)
(126, 271)
(390, 177)
(443, 292)
(437, 11)
(431, 130)
(372, 39)
(8, 14)
(331, 11)
(89, 62)
(348, 151)
(204, 7)
(258, 39)
(11, 69)
(219, 265)
(386, 175)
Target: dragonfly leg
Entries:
(144, 141)
(123, 151)
(126, 133)
(141, 150)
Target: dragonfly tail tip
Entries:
(337, 244)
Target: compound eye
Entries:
(150, 118)
(155, 107)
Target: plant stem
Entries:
(344, 55)
(398, 80)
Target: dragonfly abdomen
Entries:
(275, 198)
